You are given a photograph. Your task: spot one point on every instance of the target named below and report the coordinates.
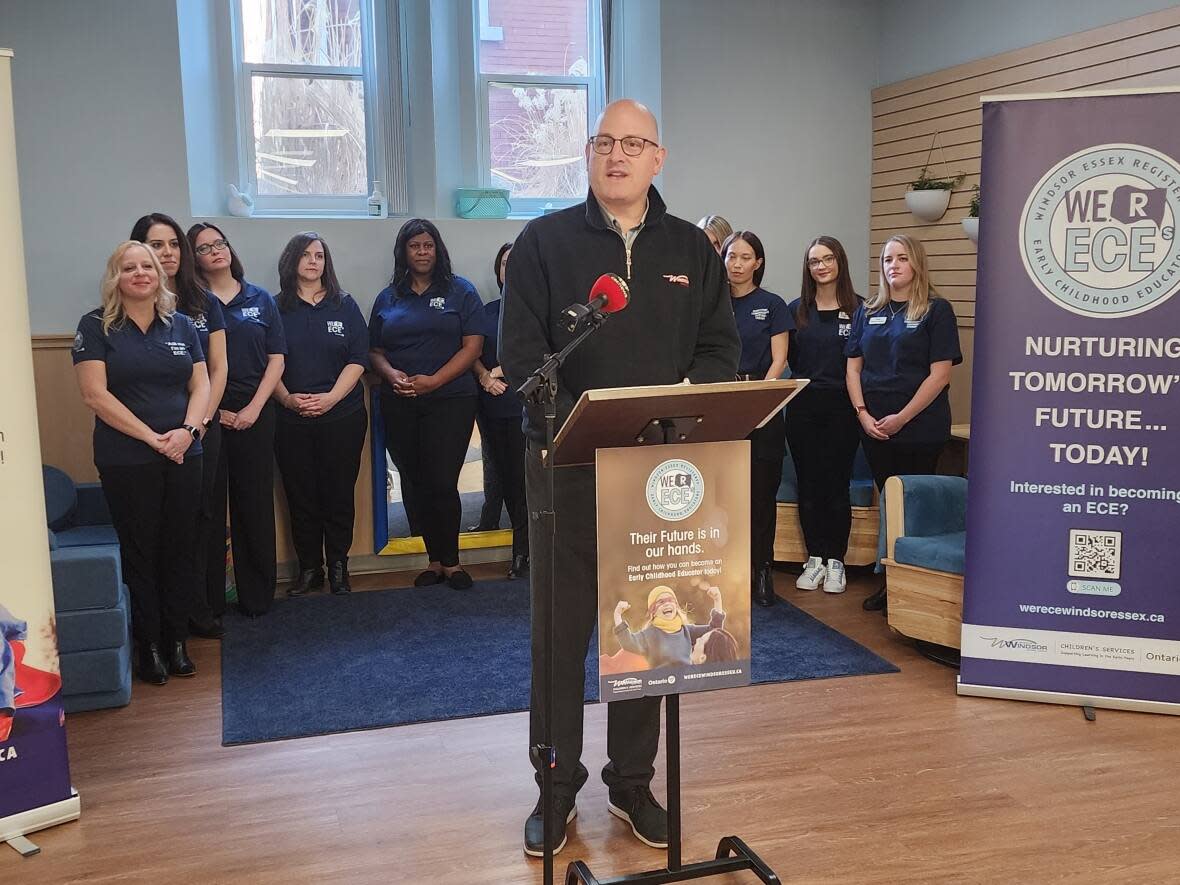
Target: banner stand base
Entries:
(1075, 700)
(14, 828)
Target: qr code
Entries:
(1095, 554)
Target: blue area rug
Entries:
(326, 664)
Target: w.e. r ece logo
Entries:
(675, 489)
(1097, 234)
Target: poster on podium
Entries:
(673, 569)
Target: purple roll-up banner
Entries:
(1073, 509)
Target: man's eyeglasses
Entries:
(633, 145)
(826, 261)
(206, 248)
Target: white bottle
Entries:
(377, 201)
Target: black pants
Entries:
(889, 458)
(493, 491)
(154, 509)
(633, 727)
(503, 444)
(427, 438)
(245, 473)
(319, 462)
(209, 561)
(767, 449)
(823, 433)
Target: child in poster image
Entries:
(668, 637)
(10, 629)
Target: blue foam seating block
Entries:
(90, 629)
(100, 670)
(86, 577)
(942, 553)
(98, 700)
(86, 536)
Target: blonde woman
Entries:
(717, 229)
(900, 350)
(141, 371)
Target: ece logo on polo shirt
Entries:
(251, 313)
(438, 303)
(335, 327)
(178, 348)
(1097, 234)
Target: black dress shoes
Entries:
(878, 602)
(429, 578)
(309, 581)
(460, 580)
(179, 663)
(151, 664)
(210, 629)
(519, 568)
(763, 588)
(338, 581)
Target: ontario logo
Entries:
(675, 490)
(1097, 234)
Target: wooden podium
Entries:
(641, 417)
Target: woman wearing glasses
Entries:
(322, 419)
(762, 324)
(821, 425)
(426, 330)
(167, 240)
(900, 350)
(255, 346)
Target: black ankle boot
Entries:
(151, 664)
(338, 578)
(308, 581)
(179, 663)
(764, 586)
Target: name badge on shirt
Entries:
(912, 324)
(877, 321)
(843, 316)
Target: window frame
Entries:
(594, 82)
(384, 106)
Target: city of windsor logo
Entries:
(675, 490)
(1097, 234)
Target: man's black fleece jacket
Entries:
(679, 323)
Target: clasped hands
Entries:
(173, 444)
(493, 381)
(309, 405)
(411, 385)
(881, 428)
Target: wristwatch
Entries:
(196, 434)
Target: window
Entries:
(311, 138)
(540, 87)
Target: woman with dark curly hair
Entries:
(426, 330)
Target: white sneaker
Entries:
(835, 581)
(813, 574)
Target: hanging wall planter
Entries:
(928, 197)
(971, 222)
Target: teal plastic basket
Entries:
(482, 202)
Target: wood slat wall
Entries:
(1138, 52)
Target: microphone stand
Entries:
(541, 390)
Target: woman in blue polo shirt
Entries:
(900, 350)
(255, 346)
(500, 430)
(322, 418)
(425, 332)
(822, 429)
(762, 325)
(142, 372)
(167, 240)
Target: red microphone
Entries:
(609, 294)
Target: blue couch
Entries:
(926, 539)
(92, 603)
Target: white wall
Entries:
(767, 118)
(920, 36)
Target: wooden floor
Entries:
(875, 779)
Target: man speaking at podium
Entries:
(677, 325)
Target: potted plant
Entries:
(971, 222)
(928, 196)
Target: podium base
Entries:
(41, 818)
(733, 856)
